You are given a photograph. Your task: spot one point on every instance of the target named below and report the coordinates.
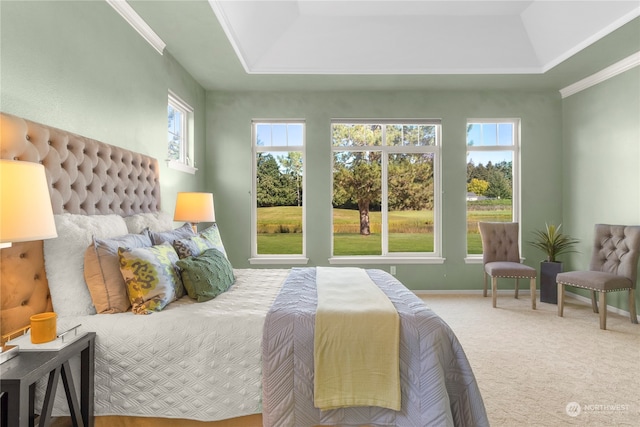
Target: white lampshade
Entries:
(25, 204)
(194, 208)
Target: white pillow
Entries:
(64, 259)
(154, 221)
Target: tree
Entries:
(273, 187)
(499, 186)
(357, 178)
(478, 186)
(292, 167)
(410, 182)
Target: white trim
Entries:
(179, 102)
(516, 161)
(182, 167)
(138, 24)
(619, 67)
(473, 259)
(380, 259)
(568, 294)
(471, 292)
(274, 259)
(255, 149)
(218, 10)
(588, 300)
(436, 150)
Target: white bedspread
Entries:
(192, 360)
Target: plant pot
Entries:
(548, 285)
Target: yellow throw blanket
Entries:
(356, 344)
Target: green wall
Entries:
(601, 163)
(80, 67)
(228, 164)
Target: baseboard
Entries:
(526, 291)
(610, 308)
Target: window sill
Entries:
(386, 260)
(182, 167)
(279, 260)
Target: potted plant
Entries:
(553, 243)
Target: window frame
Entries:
(185, 163)
(515, 173)
(255, 149)
(387, 257)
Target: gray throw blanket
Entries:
(438, 385)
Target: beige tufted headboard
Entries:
(85, 177)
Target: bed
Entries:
(209, 362)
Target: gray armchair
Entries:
(501, 258)
(613, 267)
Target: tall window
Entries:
(492, 175)
(385, 188)
(180, 115)
(278, 171)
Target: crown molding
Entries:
(618, 68)
(138, 24)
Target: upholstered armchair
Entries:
(501, 258)
(613, 267)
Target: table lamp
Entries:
(194, 208)
(25, 211)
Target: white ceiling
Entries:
(414, 37)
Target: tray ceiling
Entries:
(414, 37)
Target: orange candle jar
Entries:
(43, 327)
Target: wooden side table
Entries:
(19, 375)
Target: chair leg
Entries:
(494, 290)
(517, 286)
(603, 310)
(594, 302)
(560, 299)
(533, 293)
(632, 306)
(484, 291)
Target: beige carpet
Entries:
(531, 364)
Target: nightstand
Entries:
(19, 375)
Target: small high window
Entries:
(180, 135)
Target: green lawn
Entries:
(280, 231)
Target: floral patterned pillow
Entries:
(151, 277)
(196, 245)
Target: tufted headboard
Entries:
(85, 176)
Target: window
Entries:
(386, 198)
(180, 142)
(492, 175)
(278, 192)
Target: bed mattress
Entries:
(192, 360)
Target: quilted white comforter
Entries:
(192, 360)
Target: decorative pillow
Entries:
(213, 235)
(159, 238)
(206, 276)
(193, 246)
(64, 259)
(154, 221)
(102, 272)
(151, 277)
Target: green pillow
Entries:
(206, 276)
(150, 276)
